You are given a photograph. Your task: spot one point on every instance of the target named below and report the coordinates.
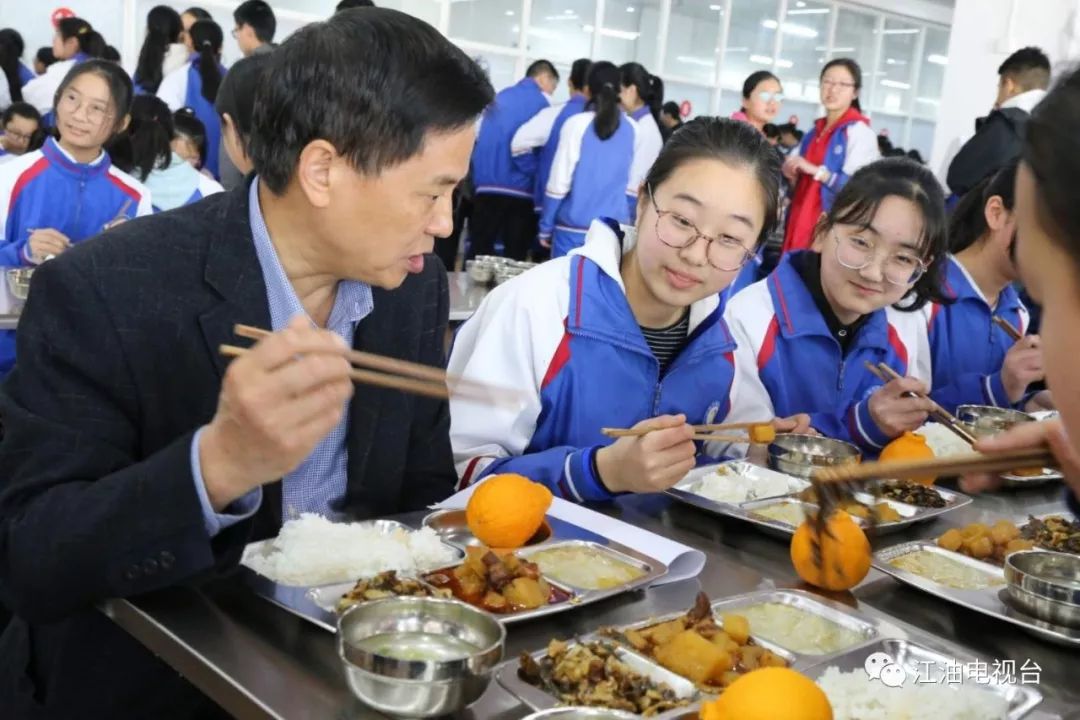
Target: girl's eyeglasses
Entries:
(765, 96)
(856, 253)
(96, 111)
(723, 253)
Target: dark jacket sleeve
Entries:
(994, 144)
(429, 473)
(86, 513)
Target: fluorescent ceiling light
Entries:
(937, 59)
(509, 13)
(809, 11)
(894, 61)
(629, 8)
(766, 60)
(737, 49)
(901, 31)
(822, 48)
(716, 7)
(558, 18)
(896, 84)
(691, 60)
(791, 29)
(606, 32)
(927, 101)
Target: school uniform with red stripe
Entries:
(47, 188)
(564, 334)
(788, 362)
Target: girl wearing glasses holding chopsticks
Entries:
(805, 333)
(626, 330)
(974, 359)
(69, 190)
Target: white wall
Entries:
(984, 33)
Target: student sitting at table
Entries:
(805, 332)
(975, 361)
(625, 331)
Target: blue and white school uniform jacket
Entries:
(493, 166)
(647, 146)
(46, 188)
(788, 362)
(183, 88)
(542, 131)
(966, 348)
(25, 74)
(564, 334)
(41, 91)
(588, 180)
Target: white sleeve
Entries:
(567, 154)
(510, 342)
(862, 148)
(536, 131)
(173, 88)
(913, 330)
(40, 92)
(647, 144)
(5, 95)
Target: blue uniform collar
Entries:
(959, 285)
(59, 159)
(799, 316)
(641, 112)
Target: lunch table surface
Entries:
(258, 660)
(465, 296)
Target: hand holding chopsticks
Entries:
(1007, 326)
(885, 373)
(757, 432)
(970, 464)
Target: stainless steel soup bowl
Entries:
(801, 455)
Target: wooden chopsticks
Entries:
(1036, 458)
(1009, 329)
(403, 375)
(701, 432)
(885, 373)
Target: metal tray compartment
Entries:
(538, 699)
(645, 567)
(989, 601)
(687, 488)
(920, 661)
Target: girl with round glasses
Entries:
(805, 333)
(624, 331)
(762, 95)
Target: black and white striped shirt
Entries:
(666, 343)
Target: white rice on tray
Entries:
(727, 486)
(311, 550)
(943, 441)
(854, 696)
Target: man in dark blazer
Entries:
(136, 457)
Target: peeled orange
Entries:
(845, 553)
(506, 510)
(770, 694)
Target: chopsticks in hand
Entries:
(1009, 329)
(757, 432)
(1029, 459)
(410, 377)
(885, 373)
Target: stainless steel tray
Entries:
(687, 488)
(868, 629)
(913, 514)
(1019, 481)
(316, 603)
(989, 601)
(919, 661)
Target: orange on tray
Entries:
(909, 446)
(506, 510)
(770, 694)
(845, 553)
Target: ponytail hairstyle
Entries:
(752, 81)
(163, 28)
(11, 50)
(118, 82)
(732, 142)
(90, 41)
(187, 125)
(856, 75)
(649, 87)
(151, 132)
(207, 37)
(858, 201)
(967, 225)
(604, 92)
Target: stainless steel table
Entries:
(9, 321)
(465, 296)
(259, 661)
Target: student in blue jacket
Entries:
(503, 202)
(625, 331)
(805, 332)
(195, 85)
(974, 361)
(69, 190)
(592, 166)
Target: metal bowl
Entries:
(582, 713)
(452, 527)
(506, 272)
(479, 272)
(18, 280)
(1045, 584)
(984, 420)
(419, 657)
(800, 455)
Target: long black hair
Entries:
(649, 87)
(858, 201)
(604, 91)
(236, 96)
(11, 50)
(120, 87)
(856, 75)
(90, 41)
(207, 37)
(732, 142)
(753, 80)
(163, 28)
(151, 132)
(967, 224)
(1052, 154)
